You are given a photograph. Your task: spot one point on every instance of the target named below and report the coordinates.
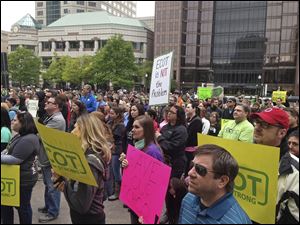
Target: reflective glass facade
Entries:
(53, 11)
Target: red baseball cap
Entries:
(273, 116)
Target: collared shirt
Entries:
(242, 131)
(225, 211)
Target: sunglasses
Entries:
(202, 170)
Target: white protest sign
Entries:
(33, 106)
(161, 79)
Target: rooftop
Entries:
(96, 18)
(28, 21)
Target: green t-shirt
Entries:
(242, 131)
(5, 135)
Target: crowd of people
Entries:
(202, 178)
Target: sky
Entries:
(13, 11)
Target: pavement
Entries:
(115, 213)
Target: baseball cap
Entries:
(273, 116)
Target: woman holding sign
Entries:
(144, 136)
(22, 150)
(86, 201)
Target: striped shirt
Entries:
(225, 211)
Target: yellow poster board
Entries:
(279, 94)
(10, 185)
(66, 155)
(256, 183)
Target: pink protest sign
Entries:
(144, 185)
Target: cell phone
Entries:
(59, 180)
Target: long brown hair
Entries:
(149, 134)
(119, 119)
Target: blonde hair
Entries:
(4, 105)
(93, 136)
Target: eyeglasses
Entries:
(265, 125)
(293, 143)
(201, 170)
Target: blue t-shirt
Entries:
(225, 211)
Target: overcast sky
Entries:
(12, 11)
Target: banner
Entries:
(33, 106)
(204, 92)
(10, 185)
(256, 182)
(279, 94)
(223, 122)
(144, 185)
(66, 155)
(161, 80)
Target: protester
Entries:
(11, 102)
(211, 181)
(86, 201)
(22, 150)
(240, 129)
(194, 126)
(119, 134)
(279, 103)
(172, 140)
(88, 99)
(165, 117)
(54, 120)
(214, 107)
(215, 126)
(144, 136)
(228, 112)
(205, 121)
(78, 108)
(271, 127)
(152, 113)
(5, 128)
(293, 120)
(293, 143)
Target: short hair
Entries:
(59, 101)
(27, 123)
(295, 133)
(246, 108)
(152, 113)
(223, 163)
(12, 101)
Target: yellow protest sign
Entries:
(256, 183)
(66, 155)
(10, 185)
(223, 122)
(279, 94)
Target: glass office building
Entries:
(245, 46)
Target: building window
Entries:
(66, 11)
(40, 21)
(92, 4)
(39, 4)
(65, 2)
(46, 46)
(74, 45)
(40, 13)
(80, 2)
(80, 10)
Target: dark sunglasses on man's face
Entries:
(202, 170)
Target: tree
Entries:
(24, 66)
(144, 71)
(115, 62)
(56, 68)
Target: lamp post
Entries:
(259, 84)
(145, 84)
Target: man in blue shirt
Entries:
(88, 99)
(211, 182)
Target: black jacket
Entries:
(194, 126)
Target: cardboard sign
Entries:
(10, 185)
(144, 185)
(256, 183)
(279, 94)
(33, 106)
(66, 155)
(204, 92)
(161, 80)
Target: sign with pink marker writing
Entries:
(144, 185)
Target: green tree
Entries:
(115, 62)
(24, 66)
(56, 68)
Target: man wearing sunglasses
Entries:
(271, 128)
(211, 180)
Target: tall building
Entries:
(47, 12)
(244, 46)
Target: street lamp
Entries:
(145, 83)
(259, 82)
